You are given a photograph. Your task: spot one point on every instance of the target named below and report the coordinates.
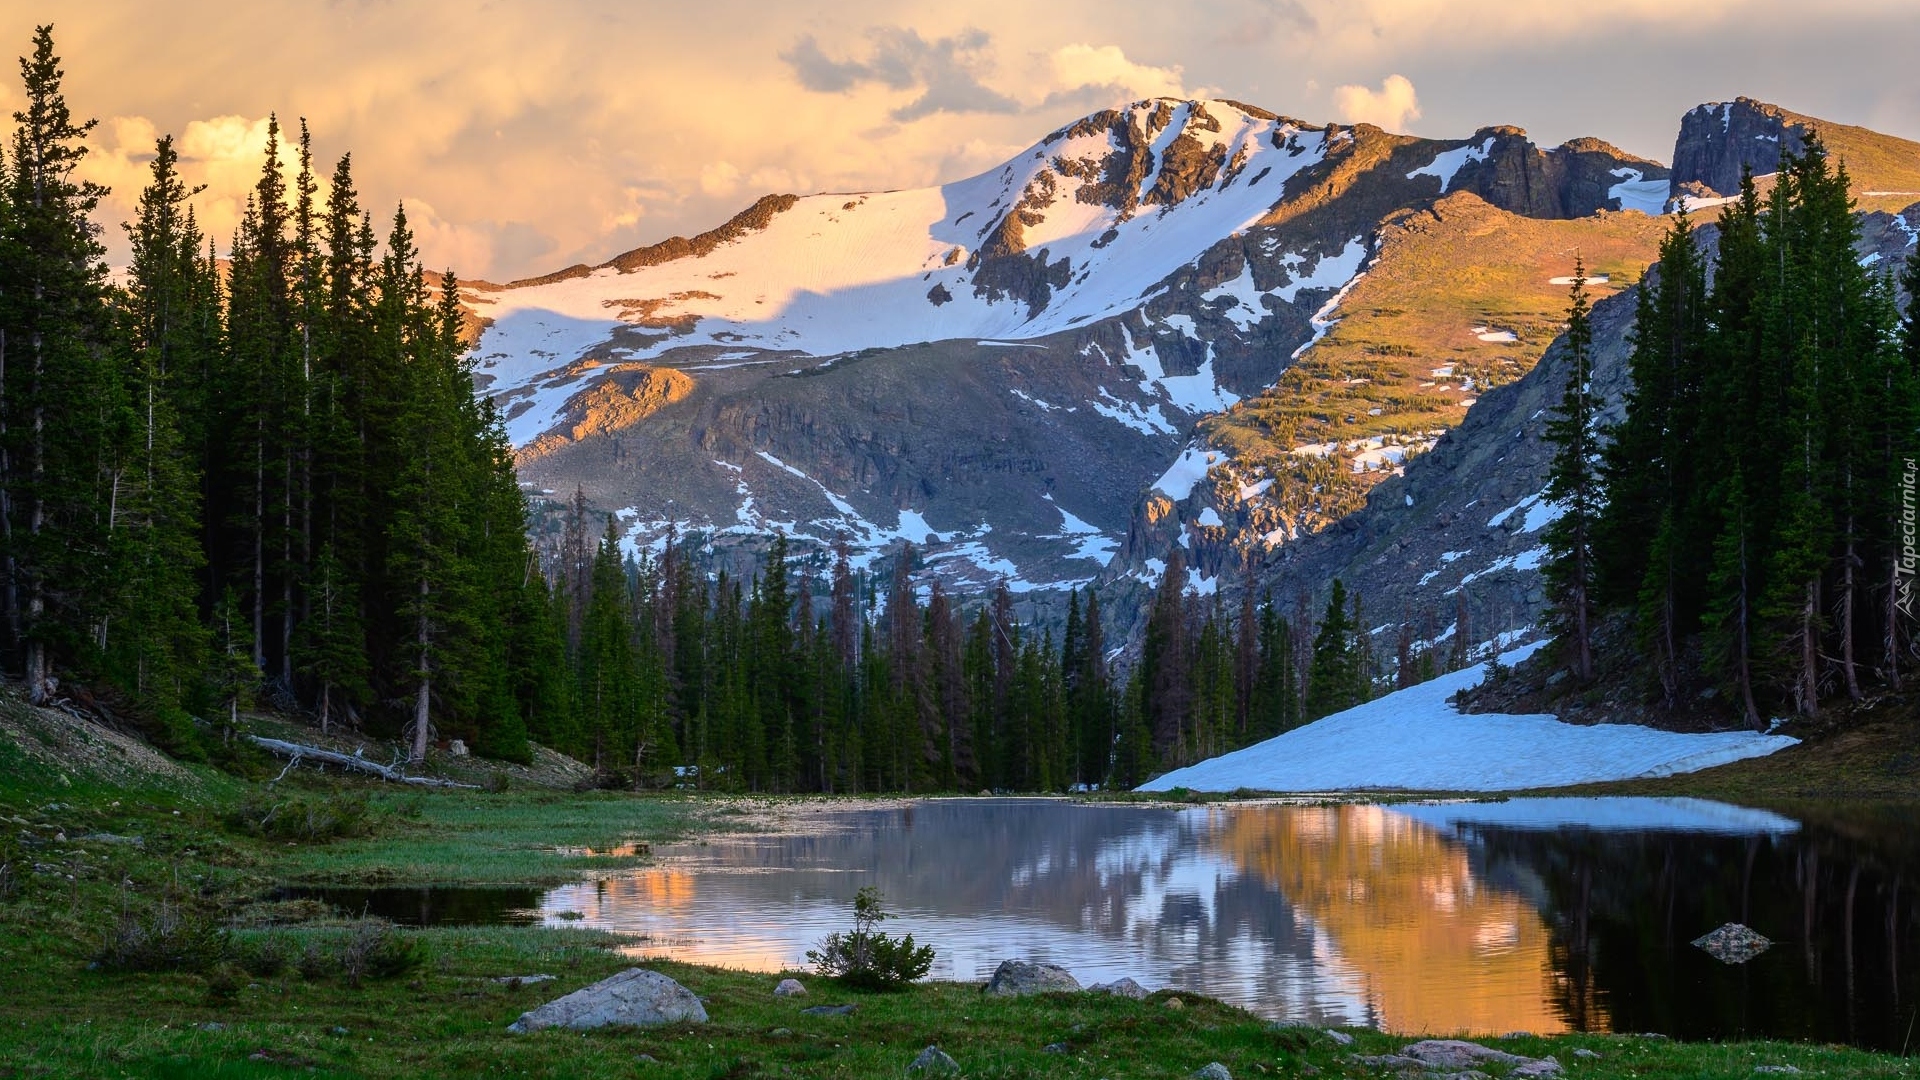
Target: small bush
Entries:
(869, 959)
(307, 819)
(375, 950)
(168, 938)
(264, 956)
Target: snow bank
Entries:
(1415, 740)
(1632, 813)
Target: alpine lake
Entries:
(1542, 915)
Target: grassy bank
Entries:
(138, 938)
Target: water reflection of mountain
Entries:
(1839, 906)
(1413, 921)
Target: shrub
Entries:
(375, 950)
(168, 938)
(867, 958)
(308, 819)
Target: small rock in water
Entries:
(1783, 1069)
(790, 988)
(934, 1062)
(634, 998)
(1014, 978)
(1340, 1037)
(1733, 944)
(1124, 987)
(1212, 1070)
(829, 1010)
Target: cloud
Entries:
(1266, 20)
(1079, 68)
(1391, 106)
(946, 70)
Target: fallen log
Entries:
(296, 753)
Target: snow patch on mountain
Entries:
(1414, 739)
(1448, 163)
(1636, 193)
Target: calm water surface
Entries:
(1541, 915)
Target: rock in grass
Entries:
(1437, 1054)
(934, 1061)
(1733, 944)
(1583, 1052)
(634, 998)
(1212, 1070)
(829, 1010)
(512, 981)
(1782, 1069)
(1056, 1048)
(1124, 987)
(1014, 978)
(1340, 1038)
(790, 988)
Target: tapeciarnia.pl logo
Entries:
(1909, 548)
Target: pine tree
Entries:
(1335, 681)
(153, 518)
(1572, 483)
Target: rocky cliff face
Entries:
(1718, 141)
(1460, 529)
(997, 368)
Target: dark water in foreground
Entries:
(1541, 915)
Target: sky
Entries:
(523, 137)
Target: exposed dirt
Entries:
(70, 748)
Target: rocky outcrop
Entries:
(1718, 142)
(1018, 978)
(634, 998)
(1569, 181)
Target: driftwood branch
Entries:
(298, 753)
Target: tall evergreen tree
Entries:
(1574, 484)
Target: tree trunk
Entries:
(1848, 585)
(1807, 685)
(422, 697)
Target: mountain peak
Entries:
(1720, 140)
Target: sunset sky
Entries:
(524, 137)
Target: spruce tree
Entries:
(1334, 682)
(1573, 483)
(52, 501)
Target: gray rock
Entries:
(790, 988)
(779, 1033)
(520, 980)
(1340, 1038)
(1540, 1069)
(211, 1025)
(1056, 1048)
(1583, 1052)
(1733, 944)
(338, 1030)
(934, 1062)
(1014, 978)
(829, 1010)
(634, 998)
(1212, 1070)
(1124, 987)
(1787, 1070)
(1439, 1054)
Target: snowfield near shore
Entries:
(1414, 740)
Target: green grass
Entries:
(448, 1018)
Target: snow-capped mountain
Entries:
(999, 368)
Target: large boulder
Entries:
(1014, 978)
(634, 998)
